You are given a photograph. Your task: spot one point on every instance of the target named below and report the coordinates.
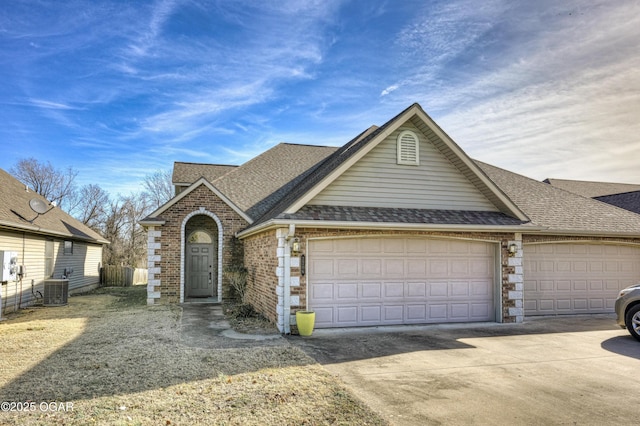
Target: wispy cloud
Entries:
(41, 103)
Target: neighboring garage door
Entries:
(577, 278)
(380, 281)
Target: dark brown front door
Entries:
(200, 271)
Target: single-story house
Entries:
(39, 242)
(398, 226)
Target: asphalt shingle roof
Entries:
(15, 212)
(628, 200)
(187, 173)
(401, 215)
(592, 189)
(259, 183)
(561, 210)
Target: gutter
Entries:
(146, 223)
(389, 226)
(38, 230)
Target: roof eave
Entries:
(587, 233)
(384, 226)
(44, 231)
(147, 223)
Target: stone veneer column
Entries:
(281, 233)
(152, 260)
(284, 317)
(516, 278)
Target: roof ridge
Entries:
(205, 164)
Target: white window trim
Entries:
(416, 145)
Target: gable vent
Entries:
(408, 144)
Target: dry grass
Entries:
(120, 362)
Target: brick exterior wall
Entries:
(260, 258)
(166, 254)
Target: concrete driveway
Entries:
(580, 370)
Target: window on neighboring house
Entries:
(408, 148)
(68, 247)
(48, 258)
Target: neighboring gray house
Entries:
(398, 226)
(39, 241)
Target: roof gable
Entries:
(382, 179)
(16, 213)
(154, 217)
(354, 151)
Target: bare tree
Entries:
(54, 184)
(158, 188)
(90, 205)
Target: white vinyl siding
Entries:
(577, 278)
(395, 280)
(378, 181)
(85, 262)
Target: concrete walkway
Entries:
(204, 326)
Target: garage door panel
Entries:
(438, 290)
(394, 267)
(347, 314)
(347, 268)
(597, 304)
(417, 313)
(371, 314)
(347, 291)
(417, 268)
(438, 268)
(460, 267)
(438, 312)
(372, 267)
(459, 289)
(322, 292)
(401, 281)
(417, 290)
(480, 310)
(322, 268)
(346, 246)
(597, 273)
(481, 288)
(393, 314)
(371, 290)
(459, 311)
(393, 245)
(393, 290)
(324, 316)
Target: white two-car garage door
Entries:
(380, 281)
(575, 278)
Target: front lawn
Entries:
(107, 358)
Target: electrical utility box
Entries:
(9, 261)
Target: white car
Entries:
(628, 310)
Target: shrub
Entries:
(236, 275)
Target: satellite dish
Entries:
(38, 206)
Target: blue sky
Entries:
(119, 89)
